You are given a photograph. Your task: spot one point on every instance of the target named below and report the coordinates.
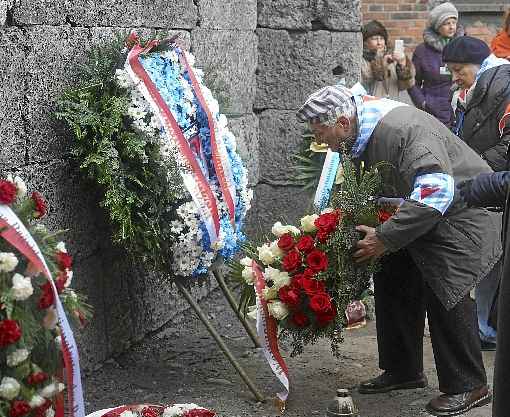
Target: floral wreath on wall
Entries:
(150, 133)
(35, 339)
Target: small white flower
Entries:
(248, 275)
(266, 254)
(275, 249)
(277, 309)
(123, 79)
(20, 186)
(16, 357)
(308, 223)
(61, 247)
(9, 388)
(36, 401)
(246, 261)
(21, 287)
(8, 262)
(50, 320)
(269, 293)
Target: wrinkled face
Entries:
(464, 75)
(333, 136)
(375, 43)
(448, 28)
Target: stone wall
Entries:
(264, 59)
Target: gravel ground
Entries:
(182, 364)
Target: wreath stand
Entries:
(218, 275)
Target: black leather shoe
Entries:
(453, 405)
(388, 382)
(487, 346)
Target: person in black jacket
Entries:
(488, 190)
(484, 84)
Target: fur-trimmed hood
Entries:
(433, 39)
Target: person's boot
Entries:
(455, 404)
(388, 381)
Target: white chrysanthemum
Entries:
(61, 246)
(275, 249)
(277, 309)
(248, 275)
(269, 293)
(21, 287)
(36, 401)
(279, 229)
(21, 187)
(266, 254)
(308, 223)
(16, 357)
(8, 262)
(172, 411)
(9, 388)
(136, 112)
(246, 261)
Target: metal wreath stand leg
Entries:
(216, 270)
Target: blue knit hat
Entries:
(466, 50)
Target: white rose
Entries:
(275, 250)
(278, 310)
(21, 187)
(61, 246)
(8, 262)
(308, 223)
(9, 388)
(246, 261)
(50, 320)
(50, 412)
(266, 254)
(36, 401)
(248, 275)
(50, 390)
(269, 293)
(16, 357)
(21, 287)
(278, 229)
(279, 278)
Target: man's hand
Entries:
(370, 247)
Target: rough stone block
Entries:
(12, 98)
(336, 15)
(280, 138)
(272, 204)
(293, 65)
(230, 76)
(146, 13)
(228, 14)
(246, 131)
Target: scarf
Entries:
(500, 45)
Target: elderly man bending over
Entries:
(436, 248)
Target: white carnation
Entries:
(21, 287)
(279, 229)
(16, 357)
(308, 223)
(9, 388)
(20, 186)
(269, 293)
(8, 262)
(50, 390)
(36, 401)
(248, 275)
(61, 247)
(266, 254)
(172, 411)
(278, 310)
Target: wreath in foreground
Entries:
(149, 133)
(33, 338)
(152, 410)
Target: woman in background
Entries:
(500, 45)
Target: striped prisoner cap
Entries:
(326, 104)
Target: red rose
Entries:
(10, 332)
(47, 298)
(64, 260)
(327, 221)
(199, 412)
(19, 408)
(320, 303)
(309, 273)
(300, 319)
(317, 260)
(291, 261)
(322, 236)
(40, 204)
(383, 215)
(60, 282)
(323, 319)
(286, 242)
(296, 281)
(289, 295)
(8, 192)
(36, 378)
(312, 286)
(305, 244)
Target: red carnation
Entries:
(64, 260)
(199, 412)
(10, 332)
(36, 378)
(19, 408)
(317, 260)
(313, 286)
(291, 261)
(150, 412)
(327, 221)
(305, 244)
(286, 242)
(8, 192)
(320, 303)
(323, 319)
(383, 215)
(289, 295)
(300, 319)
(40, 204)
(47, 298)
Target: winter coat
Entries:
(485, 111)
(454, 250)
(493, 190)
(386, 80)
(433, 83)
